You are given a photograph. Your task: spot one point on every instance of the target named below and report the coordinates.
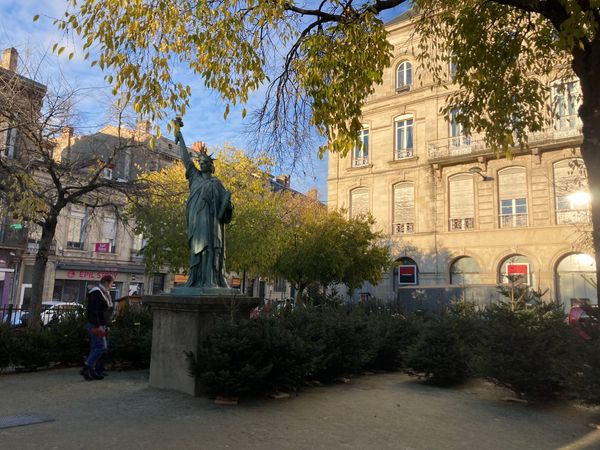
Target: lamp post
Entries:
(477, 170)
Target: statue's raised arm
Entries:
(185, 155)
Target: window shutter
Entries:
(359, 202)
(404, 203)
(512, 183)
(109, 228)
(462, 201)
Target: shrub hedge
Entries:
(66, 342)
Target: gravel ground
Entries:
(388, 411)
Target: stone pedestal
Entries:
(179, 324)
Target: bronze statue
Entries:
(208, 209)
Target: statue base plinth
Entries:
(180, 322)
(187, 291)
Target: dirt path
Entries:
(389, 411)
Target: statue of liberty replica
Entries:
(208, 210)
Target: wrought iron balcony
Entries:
(403, 153)
(513, 220)
(404, 228)
(565, 128)
(360, 161)
(573, 216)
(461, 224)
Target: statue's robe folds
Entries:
(208, 209)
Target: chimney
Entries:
(313, 194)
(9, 59)
(284, 180)
(145, 126)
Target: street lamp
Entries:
(477, 170)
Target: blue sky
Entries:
(204, 120)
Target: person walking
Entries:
(98, 313)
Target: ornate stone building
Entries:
(456, 213)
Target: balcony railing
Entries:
(404, 228)
(464, 223)
(573, 216)
(567, 127)
(513, 220)
(360, 161)
(402, 153)
(13, 237)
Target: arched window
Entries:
(404, 76)
(575, 279)
(512, 193)
(465, 270)
(571, 192)
(517, 269)
(359, 202)
(462, 202)
(404, 137)
(404, 208)
(406, 272)
(361, 152)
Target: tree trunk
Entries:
(586, 65)
(39, 269)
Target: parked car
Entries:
(55, 311)
(52, 311)
(18, 317)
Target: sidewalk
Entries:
(389, 411)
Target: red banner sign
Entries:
(102, 247)
(517, 269)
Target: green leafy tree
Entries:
(327, 248)
(253, 235)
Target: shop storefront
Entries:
(72, 281)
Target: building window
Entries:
(567, 99)
(464, 271)
(452, 67)
(575, 279)
(459, 142)
(158, 283)
(361, 152)
(8, 141)
(406, 272)
(109, 232)
(138, 244)
(404, 208)
(107, 173)
(76, 229)
(512, 186)
(516, 269)
(279, 285)
(359, 202)
(403, 76)
(462, 203)
(404, 137)
(571, 192)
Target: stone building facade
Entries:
(455, 213)
(22, 100)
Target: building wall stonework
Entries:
(432, 244)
